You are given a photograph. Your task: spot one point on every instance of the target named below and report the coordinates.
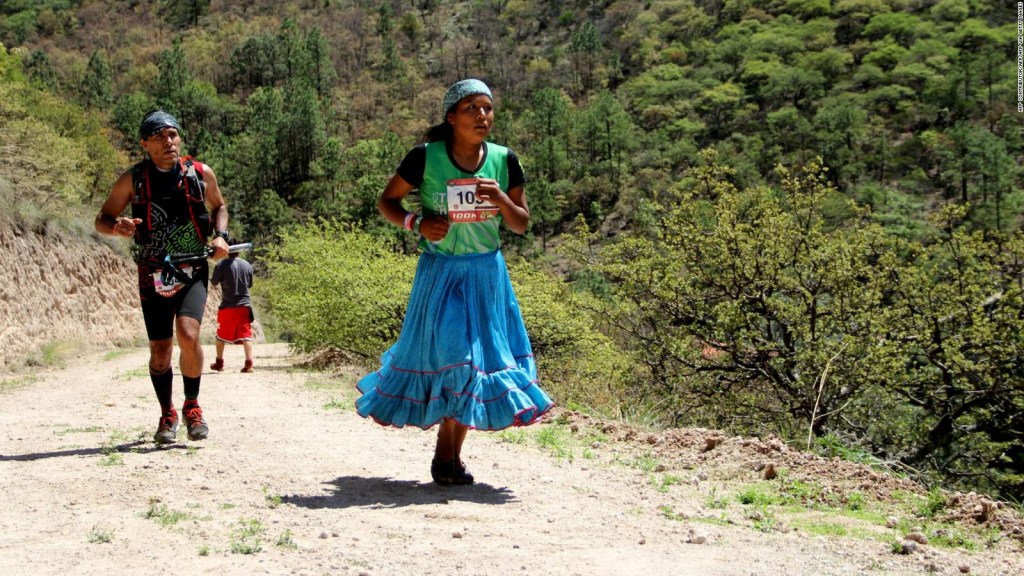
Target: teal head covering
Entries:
(460, 90)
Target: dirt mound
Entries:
(720, 456)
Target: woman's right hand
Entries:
(434, 228)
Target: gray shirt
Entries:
(235, 278)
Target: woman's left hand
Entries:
(488, 189)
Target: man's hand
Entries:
(125, 226)
(220, 248)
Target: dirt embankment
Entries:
(57, 289)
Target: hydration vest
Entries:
(191, 183)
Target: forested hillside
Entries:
(789, 216)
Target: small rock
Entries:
(908, 547)
(323, 535)
(769, 471)
(984, 511)
(642, 541)
(891, 522)
(697, 539)
(917, 537)
(964, 569)
(711, 442)
(456, 534)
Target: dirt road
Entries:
(291, 481)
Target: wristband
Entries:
(409, 217)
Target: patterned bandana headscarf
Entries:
(156, 121)
(460, 90)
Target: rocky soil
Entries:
(292, 481)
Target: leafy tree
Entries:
(300, 134)
(56, 156)
(900, 26)
(605, 133)
(255, 63)
(391, 62)
(184, 13)
(746, 300)
(321, 72)
(18, 27)
(174, 76)
(40, 70)
(97, 86)
(129, 111)
(954, 311)
(720, 104)
(359, 175)
(548, 122)
(584, 45)
(839, 127)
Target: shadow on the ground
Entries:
(134, 447)
(349, 491)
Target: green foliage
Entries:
(744, 297)
(56, 156)
(782, 317)
(759, 300)
(576, 361)
(953, 315)
(246, 538)
(333, 286)
(98, 535)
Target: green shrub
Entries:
(578, 365)
(332, 286)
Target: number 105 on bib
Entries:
(463, 204)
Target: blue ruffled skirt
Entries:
(463, 352)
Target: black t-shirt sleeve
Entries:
(516, 177)
(412, 166)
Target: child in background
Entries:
(463, 359)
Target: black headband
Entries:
(156, 121)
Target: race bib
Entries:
(463, 204)
(170, 285)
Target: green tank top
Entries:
(448, 191)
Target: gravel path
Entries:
(291, 481)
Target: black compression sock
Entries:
(191, 387)
(162, 386)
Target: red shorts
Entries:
(234, 325)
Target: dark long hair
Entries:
(439, 132)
